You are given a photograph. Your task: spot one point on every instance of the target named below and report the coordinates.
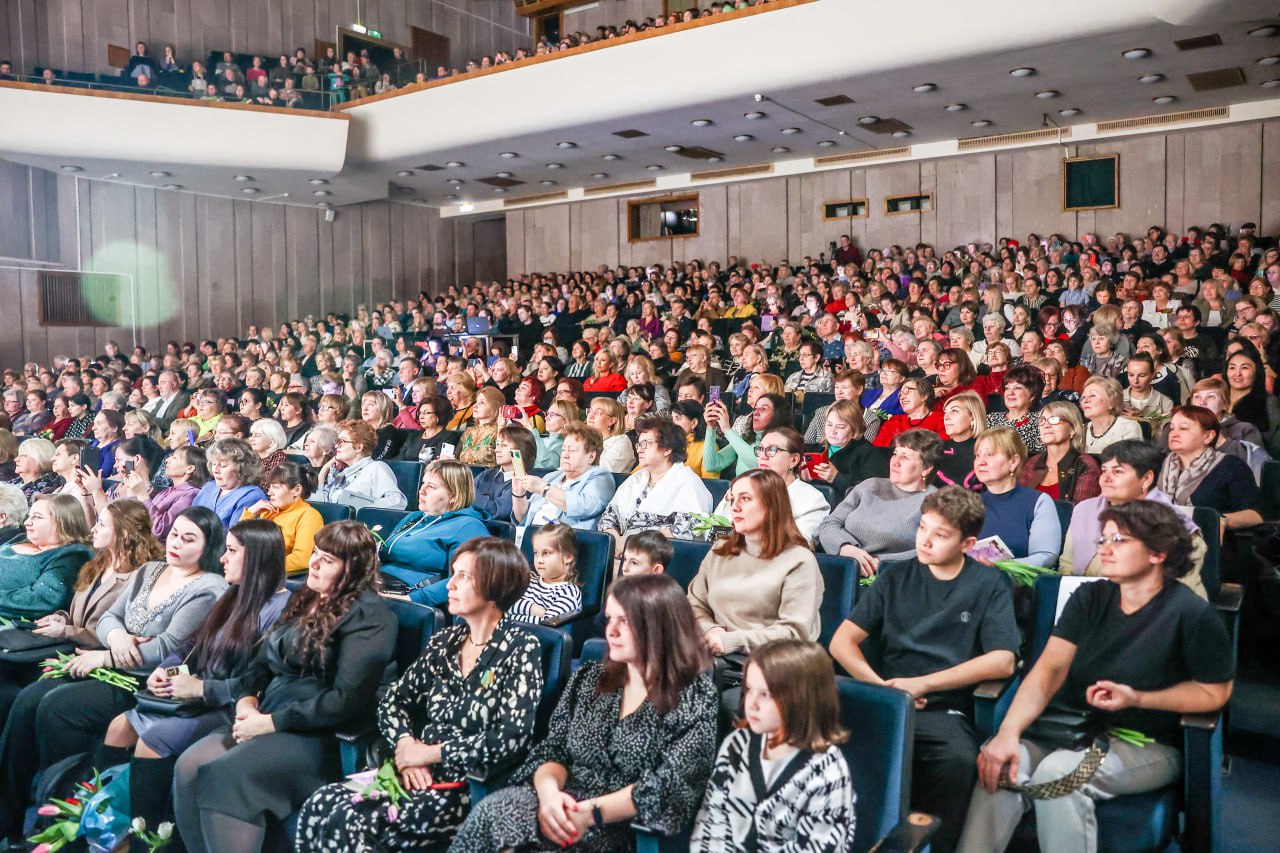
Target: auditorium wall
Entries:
(74, 34)
(1228, 174)
(209, 267)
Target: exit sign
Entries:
(375, 33)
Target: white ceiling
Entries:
(659, 85)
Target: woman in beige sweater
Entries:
(761, 582)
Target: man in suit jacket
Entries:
(172, 399)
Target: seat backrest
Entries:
(814, 401)
(686, 558)
(619, 479)
(385, 519)
(1270, 490)
(1064, 508)
(881, 721)
(1210, 523)
(718, 489)
(417, 623)
(501, 529)
(839, 592)
(541, 472)
(1046, 613)
(828, 493)
(332, 512)
(557, 651)
(595, 562)
(408, 478)
(298, 459)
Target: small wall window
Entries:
(1091, 183)
(659, 219)
(851, 209)
(895, 205)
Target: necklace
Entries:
(478, 645)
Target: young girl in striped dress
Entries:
(554, 589)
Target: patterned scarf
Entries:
(1179, 481)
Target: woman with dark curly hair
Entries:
(317, 671)
(1022, 387)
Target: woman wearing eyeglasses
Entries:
(663, 493)
(782, 452)
(1022, 387)
(1134, 651)
(1063, 471)
(353, 477)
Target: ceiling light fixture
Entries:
(1269, 60)
(499, 190)
(250, 190)
(455, 164)
(322, 193)
(1136, 53)
(1069, 112)
(599, 175)
(826, 143)
(455, 182)
(1164, 99)
(555, 165)
(715, 159)
(419, 201)
(1022, 72)
(244, 178)
(753, 115)
(160, 174)
(790, 131)
(405, 173)
(324, 205)
(673, 148)
(1270, 84)
(1048, 94)
(901, 134)
(566, 145)
(319, 182)
(701, 122)
(548, 183)
(451, 197)
(924, 87)
(71, 169)
(982, 122)
(508, 155)
(503, 175)
(743, 137)
(173, 186)
(1147, 79)
(610, 157)
(1265, 32)
(654, 167)
(957, 108)
(780, 149)
(865, 120)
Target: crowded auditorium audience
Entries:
(899, 408)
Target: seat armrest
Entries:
(1204, 722)
(992, 690)
(566, 619)
(1229, 598)
(909, 835)
(357, 736)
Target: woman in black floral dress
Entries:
(632, 738)
(467, 705)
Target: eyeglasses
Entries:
(645, 444)
(1052, 420)
(1114, 539)
(772, 450)
(342, 441)
(944, 364)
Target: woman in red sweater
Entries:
(604, 377)
(916, 397)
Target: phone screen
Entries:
(713, 396)
(91, 458)
(517, 463)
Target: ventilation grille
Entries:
(630, 134)
(428, 167)
(1198, 42)
(499, 182)
(1048, 134)
(1165, 119)
(1223, 78)
(697, 152)
(618, 188)
(888, 125)
(834, 100)
(80, 299)
(535, 199)
(863, 156)
(739, 171)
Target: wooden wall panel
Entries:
(815, 232)
(1270, 221)
(884, 230)
(1037, 193)
(965, 200)
(1223, 175)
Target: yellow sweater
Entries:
(299, 524)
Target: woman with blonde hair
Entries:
(33, 464)
(1063, 470)
(476, 447)
(234, 470)
(138, 422)
(377, 410)
(1024, 518)
(964, 417)
(1101, 400)
(460, 391)
(332, 409)
(609, 419)
(559, 415)
(640, 370)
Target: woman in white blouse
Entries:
(609, 419)
(664, 493)
(353, 477)
(782, 451)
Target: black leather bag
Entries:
(1062, 728)
(163, 706)
(19, 645)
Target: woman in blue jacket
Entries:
(235, 469)
(420, 548)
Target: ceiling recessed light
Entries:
(71, 168)
(1154, 77)
(715, 159)
(826, 143)
(599, 175)
(654, 167)
(322, 193)
(1136, 53)
(404, 189)
(868, 119)
(319, 182)
(753, 115)
(780, 149)
(548, 183)
(1025, 71)
(566, 145)
(701, 122)
(1265, 32)
(324, 205)
(404, 173)
(1269, 60)
(1069, 112)
(924, 87)
(508, 155)
(673, 148)
(451, 197)
(499, 190)
(250, 190)
(901, 134)
(1270, 84)
(455, 164)
(1164, 99)
(790, 130)
(957, 108)
(419, 201)
(982, 122)
(455, 182)
(1047, 94)
(610, 157)
(555, 165)
(159, 174)
(244, 178)
(504, 174)
(173, 186)
(743, 137)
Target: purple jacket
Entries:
(167, 504)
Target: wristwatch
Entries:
(596, 814)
